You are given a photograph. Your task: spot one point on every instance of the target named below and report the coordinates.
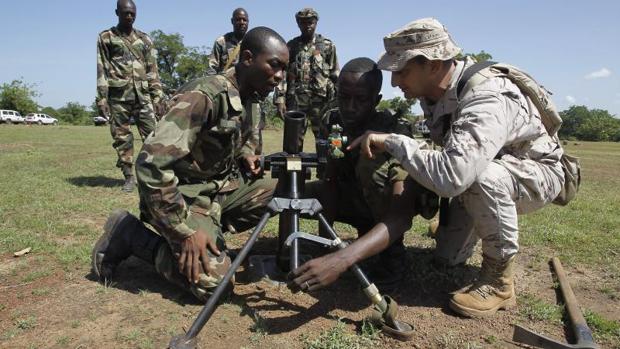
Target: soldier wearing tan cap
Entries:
(497, 159)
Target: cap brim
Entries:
(392, 61)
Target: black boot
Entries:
(130, 179)
(123, 235)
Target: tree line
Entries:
(179, 64)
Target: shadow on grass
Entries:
(95, 181)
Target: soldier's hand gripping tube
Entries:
(385, 308)
(188, 340)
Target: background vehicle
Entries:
(11, 116)
(421, 128)
(41, 119)
(100, 120)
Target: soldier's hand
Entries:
(252, 165)
(281, 108)
(370, 143)
(319, 272)
(194, 254)
(104, 108)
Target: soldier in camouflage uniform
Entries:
(127, 84)
(312, 73)
(188, 176)
(498, 160)
(372, 195)
(225, 53)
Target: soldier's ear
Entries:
(247, 57)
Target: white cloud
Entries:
(571, 100)
(601, 73)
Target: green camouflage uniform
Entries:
(223, 49)
(364, 185)
(128, 81)
(188, 175)
(310, 79)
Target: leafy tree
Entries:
(18, 96)
(398, 105)
(74, 113)
(479, 57)
(193, 64)
(49, 111)
(589, 125)
(178, 63)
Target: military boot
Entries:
(130, 179)
(493, 290)
(123, 235)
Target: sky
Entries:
(570, 47)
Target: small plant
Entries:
(26, 324)
(601, 326)
(538, 310)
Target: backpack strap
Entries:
(468, 74)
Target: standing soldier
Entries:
(127, 85)
(225, 53)
(312, 73)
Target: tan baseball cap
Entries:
(423, 37)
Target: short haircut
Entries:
(238, 10)
(120, 3)
(256, 38)
(368, 69)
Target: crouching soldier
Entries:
(373, 195)
(188, 177)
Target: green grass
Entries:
(338, 337)
(536, 309)
(602, 327)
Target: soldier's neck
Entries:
(306, 39)
(126, 30)
(443, 85)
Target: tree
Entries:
(479, 57)
(579, 122)
(74, 113)
(193, 64)
(49, 111)
(19, 96)
(178, 63)
(169, 49)
(398, 105)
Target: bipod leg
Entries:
(385, 307)
(189, 340)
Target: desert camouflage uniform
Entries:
(223, 48)
(128, 81)
(188, 175)
(310, 79)
(497, 161)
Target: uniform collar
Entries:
(233, 89)
(448, 103)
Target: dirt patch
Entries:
(68, 308)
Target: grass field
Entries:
(58, 184)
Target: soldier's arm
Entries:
(171, 141)
(333, 63)
(322, 271)
(215, 57)
(102, 71)
(152, 73)
(475, 139)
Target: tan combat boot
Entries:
(493, 290)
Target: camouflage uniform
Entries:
(224, 48)
(497, 161)
(188, 176)
(128, 81)
(311, 76)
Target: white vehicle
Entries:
(40, 119)
(11, 117)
